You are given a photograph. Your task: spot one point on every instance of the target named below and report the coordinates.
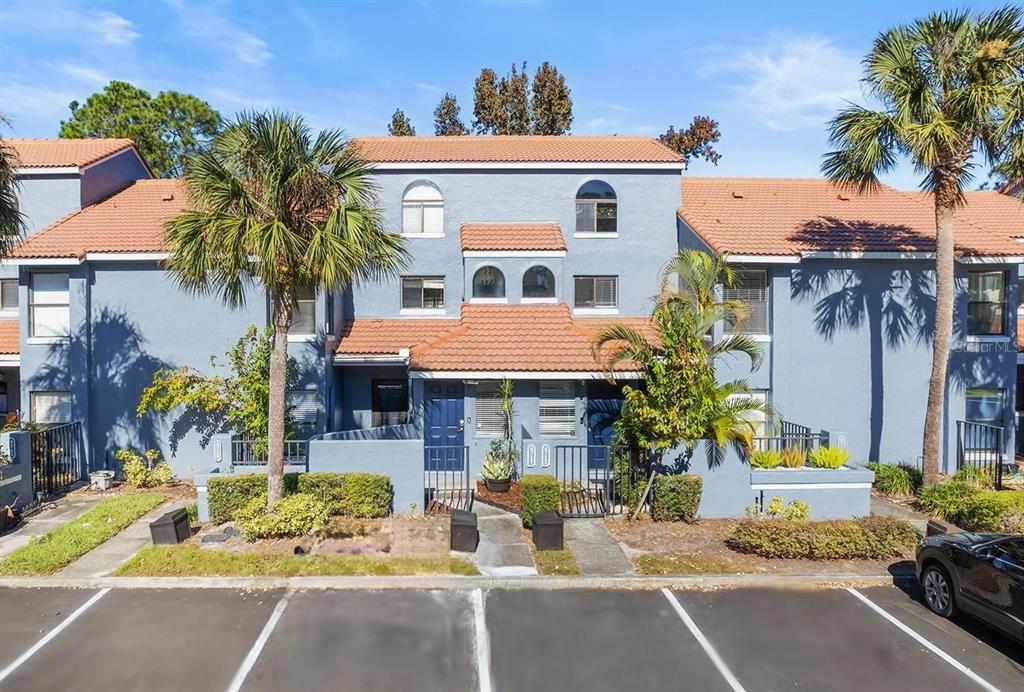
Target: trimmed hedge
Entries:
(228, 494)
(842, 539)
(677, 498)
(296, 515)
(540, 493)
(363, 495)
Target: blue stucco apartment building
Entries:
(521, 249)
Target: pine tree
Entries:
(488, 114)
(696, 141)
(515, 102)
(400, 125)
(551, 106)
(446, 118)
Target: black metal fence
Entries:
(246, 452)
(587, 476)
(981, 446)
(57, 456)
(446, 484)
(793, 439)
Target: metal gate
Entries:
(446, 479)
(56, 458)
(981, 446)
(587, 477)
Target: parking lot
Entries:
(493, 640)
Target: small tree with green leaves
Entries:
(400, 126)
(695, 142)
(446, 118)
(551, 104)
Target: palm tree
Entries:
(12, 221)
(275, 206)
(951, 88)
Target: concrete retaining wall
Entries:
(16, 477)
(402, 460)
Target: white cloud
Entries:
(70, 22)
(113, 28)
(207, 23)
(82, 73)
(29, 104)
(429, 88)
(790, 83)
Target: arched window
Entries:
(538, 282)
(488, 282)
(596, 208)
(422, 209)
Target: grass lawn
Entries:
(190, 561)
(557, 562)
(62, 546)
(659, 564)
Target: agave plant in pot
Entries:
(501, 461)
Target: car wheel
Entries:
(938, 591)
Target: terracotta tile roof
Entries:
(529, 338)
(512, 236)
(388, 336)
(992, 210)
(515, 149)
(129, 221)
(58, 153)
(10, 344)
(766, 216)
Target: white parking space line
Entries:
(261, 641)
(924, 642)
(703, 641)
(6, 672)
(482, 642)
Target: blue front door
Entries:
(601, 416)
(444, 426)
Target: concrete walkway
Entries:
(57, 514)
(884, 508)
(596, 550)
(106, 557)
(503, 551)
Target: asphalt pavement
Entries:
(493, 641)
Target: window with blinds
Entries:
(597, 291)
(50, 407)
(302, 404)
(557, 414)
(750, 288)
(422, 292)
(304, 313)
(9, 295)
(489, 418)
(49, 304)
(423, 210)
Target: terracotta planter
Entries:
(498, 486)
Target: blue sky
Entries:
(771, 73)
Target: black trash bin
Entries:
(548, 530)
(465, 535)
(171, 528)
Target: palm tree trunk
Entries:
(281, 311)
(945, 202)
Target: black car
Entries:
(981, 574)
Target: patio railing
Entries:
(981, 446)
(57, 458)
(246, 452)
(446, 485)
(793, 438)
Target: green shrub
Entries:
(845, 539)
(796, 510)
(144, 471)
(540, 493)
(227, 494)
(364, 495)
(676, 498)
(192, 508)
(993, 510)
(295, 515)
(946, 500)
(766, 459)
(828, 457)
(794, 457)
(893, 479)
(977, 477)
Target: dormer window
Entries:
(422, 210)
(488, 284)
(596, 208)
(538, 285)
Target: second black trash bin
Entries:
(465, 535)
(171, 528)
(548, 530)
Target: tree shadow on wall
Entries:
(895, 305)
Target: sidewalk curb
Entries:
(438, 582)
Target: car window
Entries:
(1011, 551)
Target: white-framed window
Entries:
(489, 418)
(422, 210)
(50, 407)
(9, 296)
(986, 303)
(304, 409)
(557, 411)
(597, 292)
(986, 405)
(422, 292)
(304, 313)
(751, 288)
(538, 284)
(488, 284)
(49, 304)
(596, 208)
(757, 419)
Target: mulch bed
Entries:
(512, 501)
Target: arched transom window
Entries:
(538, 282)
(422, 210)
(488, 283)
(596, 208)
